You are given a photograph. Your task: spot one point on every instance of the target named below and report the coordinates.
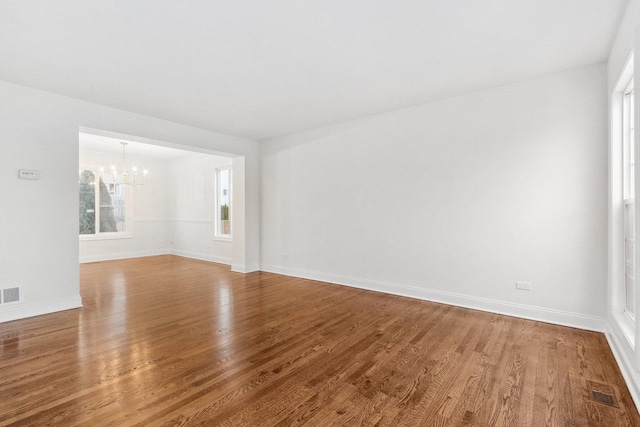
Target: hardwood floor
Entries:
(171, 341)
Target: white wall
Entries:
(39, 130)
(150, 226)
(192, 209)
(454, 201)
(624, 42)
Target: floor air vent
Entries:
(607, 399)
(602, 393)
(10, 295)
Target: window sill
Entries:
(222, 239)
(105, 236)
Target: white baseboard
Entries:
(140, 254)
(237, 268)
(200, 256)
(564, 318)
(15, 311)
(623, 354)
(122, 255)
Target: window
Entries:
(102, 205)
(628, 190)
(622, 207)
(223, 202)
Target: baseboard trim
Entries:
(16, 311)
(201, 257)
(237, 268)
(623, 354)
(558, 317)
(122, 255)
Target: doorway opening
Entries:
(177, 207)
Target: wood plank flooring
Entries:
(170, 341)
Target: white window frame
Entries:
(218, 232)
(101, 235)
(619, 201)
(628, 191)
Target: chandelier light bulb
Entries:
(126, 174)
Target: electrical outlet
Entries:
(523, 286)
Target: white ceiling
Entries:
(259, 69)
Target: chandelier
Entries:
(129, 175)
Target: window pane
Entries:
(112, 206)
(632, 183)
(87, 182)
(224, 202)
(629, 194)
(629, 280)
(629, 258)
(628, 144)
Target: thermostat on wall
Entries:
(28, 174)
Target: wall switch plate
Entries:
(28, 174)
(523, 286)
